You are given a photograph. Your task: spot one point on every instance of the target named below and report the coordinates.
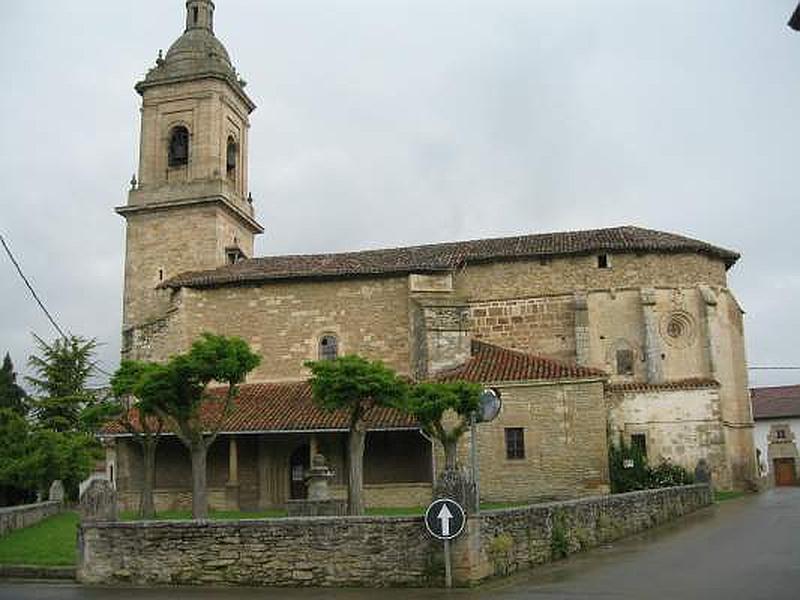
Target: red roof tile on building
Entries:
(448, 256)
(282, 407)
(680, 384)
(776, 402)
(493, 364)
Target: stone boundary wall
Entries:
(17, 517)
(366, 551)
(501, 542)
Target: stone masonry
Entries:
(368, 551)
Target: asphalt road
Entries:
(747, 548)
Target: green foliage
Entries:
(49, 543)
(559, 542)
(12, 396)
(429, 402)
(499, 553)
(641, 476)
(31, 459)
(62, 371)
(354, 384)
(179, 388)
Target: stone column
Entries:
(652, 340)
(581, 306)
(232, 485)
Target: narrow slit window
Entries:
(602, 261)
(328, 347)
(515, 443)
(195, 15)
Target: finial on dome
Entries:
(200, 15)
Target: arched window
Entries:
(328, 347)
(179, 146)
(232, 156)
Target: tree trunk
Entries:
(450, 454)
(355, 474)
(199, 453)
(147, 509)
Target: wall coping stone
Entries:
(23, 507)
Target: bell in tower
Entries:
(190, 209)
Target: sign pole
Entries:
(475, 467)
(448, 568)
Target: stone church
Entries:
(584, 334)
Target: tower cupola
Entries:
(200, 15)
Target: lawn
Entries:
(49, 543)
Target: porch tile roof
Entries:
(776, 402)
(285, 406)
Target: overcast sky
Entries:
(387, 122)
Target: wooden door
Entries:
(784, 471)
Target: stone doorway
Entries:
(784, 472)
(299, 462)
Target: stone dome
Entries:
(197, 50)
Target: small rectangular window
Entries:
(639, 441)
(624, 362)
(602, 261)
(515, 443)
(780, 434)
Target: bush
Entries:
(638, 475)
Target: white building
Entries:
(776, 411)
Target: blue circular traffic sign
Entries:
(445, 519)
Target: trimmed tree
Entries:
(355, 385)
(141, 420)
(178, 391)
(444, 411)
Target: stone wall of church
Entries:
(679, 425)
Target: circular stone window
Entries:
(678, 329)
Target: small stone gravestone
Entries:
(702, 472)
(56, 491)
(99, 502)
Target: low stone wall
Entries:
(501, 542)
(320, 551)
(366, 551)
(17, 517)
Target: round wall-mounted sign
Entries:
(490, 406)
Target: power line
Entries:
(30, 288)
(774, 368)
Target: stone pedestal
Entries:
(57, 491)
(456, 485)
(99, 502)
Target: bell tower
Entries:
(189, 208)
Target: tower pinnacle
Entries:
(200, 15)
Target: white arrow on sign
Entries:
(445, 517)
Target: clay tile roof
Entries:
(680, 384)
(268, 407)
(448, 256)
(776, 402)
(493, 364)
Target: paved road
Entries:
(743, 549)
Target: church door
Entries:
(299, 463)
(784, 471)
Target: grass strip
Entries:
(49, 543)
